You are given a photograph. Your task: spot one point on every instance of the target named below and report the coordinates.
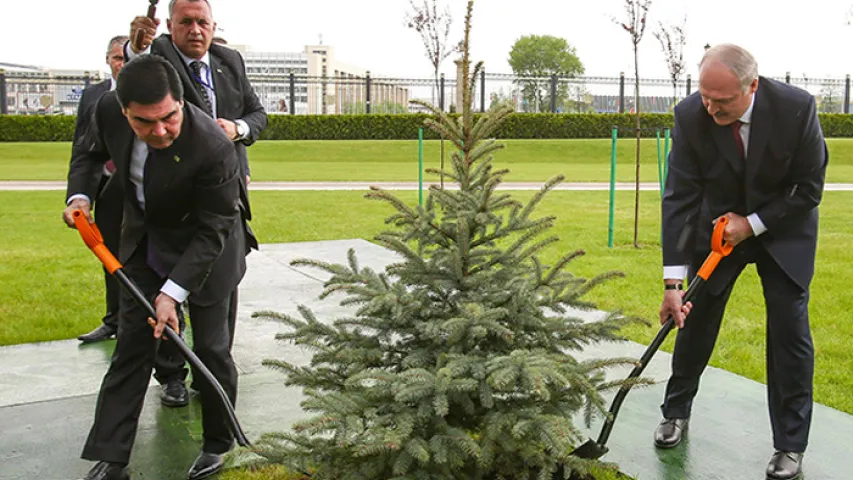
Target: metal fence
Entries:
(43, 93)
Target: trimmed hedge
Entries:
(15, 128)
(37, 128)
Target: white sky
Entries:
(812, 40)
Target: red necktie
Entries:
(110, 166)
(738, 139)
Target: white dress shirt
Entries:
(679, 272)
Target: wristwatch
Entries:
(242, 130)
(674, 286)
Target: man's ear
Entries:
(169, 24)
(124, 112)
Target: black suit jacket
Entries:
(88, 98)
(191, 219)
(782, 180)
(235, 97)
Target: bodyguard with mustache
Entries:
(750, 149)
(182, 239)
(214, 79)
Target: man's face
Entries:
(115, 59)
(158, 124)
(192, 27)
(722, 95)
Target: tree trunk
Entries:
(674, 93)
(637, 176)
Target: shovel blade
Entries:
(591, 450)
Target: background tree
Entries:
(831, 98)
(635, 24)
(537, 57)
(433, 26)
(672, 40)
(457, 361)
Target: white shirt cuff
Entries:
(242, 129)
(76, 196)
(175, 291)
(676, 272)
(757, 225)
(129, 51)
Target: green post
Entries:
(615, 136)
(660, 163)
(420, 166)
(666, 133)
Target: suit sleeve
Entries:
(807, 174)
(682, 197)
(253, 112)
(88, 156)
(215, 202)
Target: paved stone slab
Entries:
(48, 393)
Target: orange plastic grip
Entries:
(93, 239)
(718, 249)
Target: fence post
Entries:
(292, 92)
(846, 108)
(621, 92)
(441, 94)
(787, 77)
(483, 90)
(367, 98)
(4, 105)
(553, 93)
(687, 94)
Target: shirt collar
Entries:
(187, 60)
(112, 84)
(747, 115)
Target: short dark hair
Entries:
(146, 80)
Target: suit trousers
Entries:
(789, 352)
(123, 389)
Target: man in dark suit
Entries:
(751, 149)
(214, 79)
(182, 239)
(108, 199)
(169, 365)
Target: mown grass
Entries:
(397, 160)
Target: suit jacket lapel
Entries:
(725, 141)
(168, 50)
(216, 77)
(759, 135)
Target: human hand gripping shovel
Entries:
(92, 238)
(594, 449)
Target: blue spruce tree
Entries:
(457, 362)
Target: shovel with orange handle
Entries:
(594, 449)
(93, 239)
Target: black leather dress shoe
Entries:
(785, 466)
(205, 465)
(107, 471)
(104, 332)
(669, 432)
(174, 394)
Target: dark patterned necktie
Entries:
(738, 139)
(202, 90)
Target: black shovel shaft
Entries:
(653, 347)
(191, 357)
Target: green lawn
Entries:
(52, 288)
(393, 160)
